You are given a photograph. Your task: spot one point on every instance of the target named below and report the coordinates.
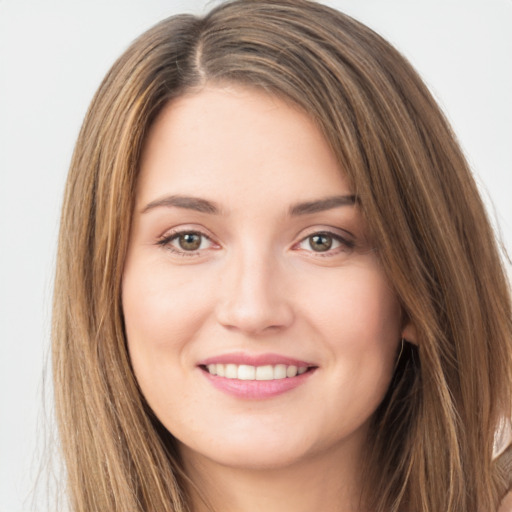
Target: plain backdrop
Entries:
(53, 55)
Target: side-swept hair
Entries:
(431, 442)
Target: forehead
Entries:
(239, 145)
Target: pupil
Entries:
(320, 243)
(190, 241)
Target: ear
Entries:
(409, 333)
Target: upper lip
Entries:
(254, 360)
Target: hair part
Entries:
(432, 437)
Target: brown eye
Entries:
(189, 241)
(326, 243)
(320, 242)
(186, 243)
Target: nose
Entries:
(253, 296)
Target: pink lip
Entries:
(255, 389)
(254, 360)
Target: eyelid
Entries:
(346, 242)
(170, 235)
(344, 234)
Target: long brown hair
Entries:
(431, 444)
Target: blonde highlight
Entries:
(432, 437)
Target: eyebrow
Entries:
(205, 206)
(321, 205)
(187, 202)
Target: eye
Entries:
(186, 243)
(189, 241)
(320, 242)
(325, 242)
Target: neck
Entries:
(327, 482)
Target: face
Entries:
(260, 325)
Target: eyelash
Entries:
(345, 245)
(167, 240)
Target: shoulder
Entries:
(502, 436)
(506, 504)
(503, 457)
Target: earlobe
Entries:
(409, 333)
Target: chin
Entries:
(255, 459)
(258, 452)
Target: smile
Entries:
(256, 376)
(268, 376)
(249, 372)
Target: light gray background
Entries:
(53, 55)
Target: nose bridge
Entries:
(253, 295)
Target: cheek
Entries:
(361, 330)
(162, 311)
(159, 306)
(358, 319)
(358, 304)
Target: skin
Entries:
(506, 504)
(256, 285)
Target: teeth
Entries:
(264, 372)
(291, 371)
(231, 371)
(280, 371)
(247, 372)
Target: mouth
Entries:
(259, 373)
(256, 377)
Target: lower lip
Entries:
(257, 389)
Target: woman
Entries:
(277, 285)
